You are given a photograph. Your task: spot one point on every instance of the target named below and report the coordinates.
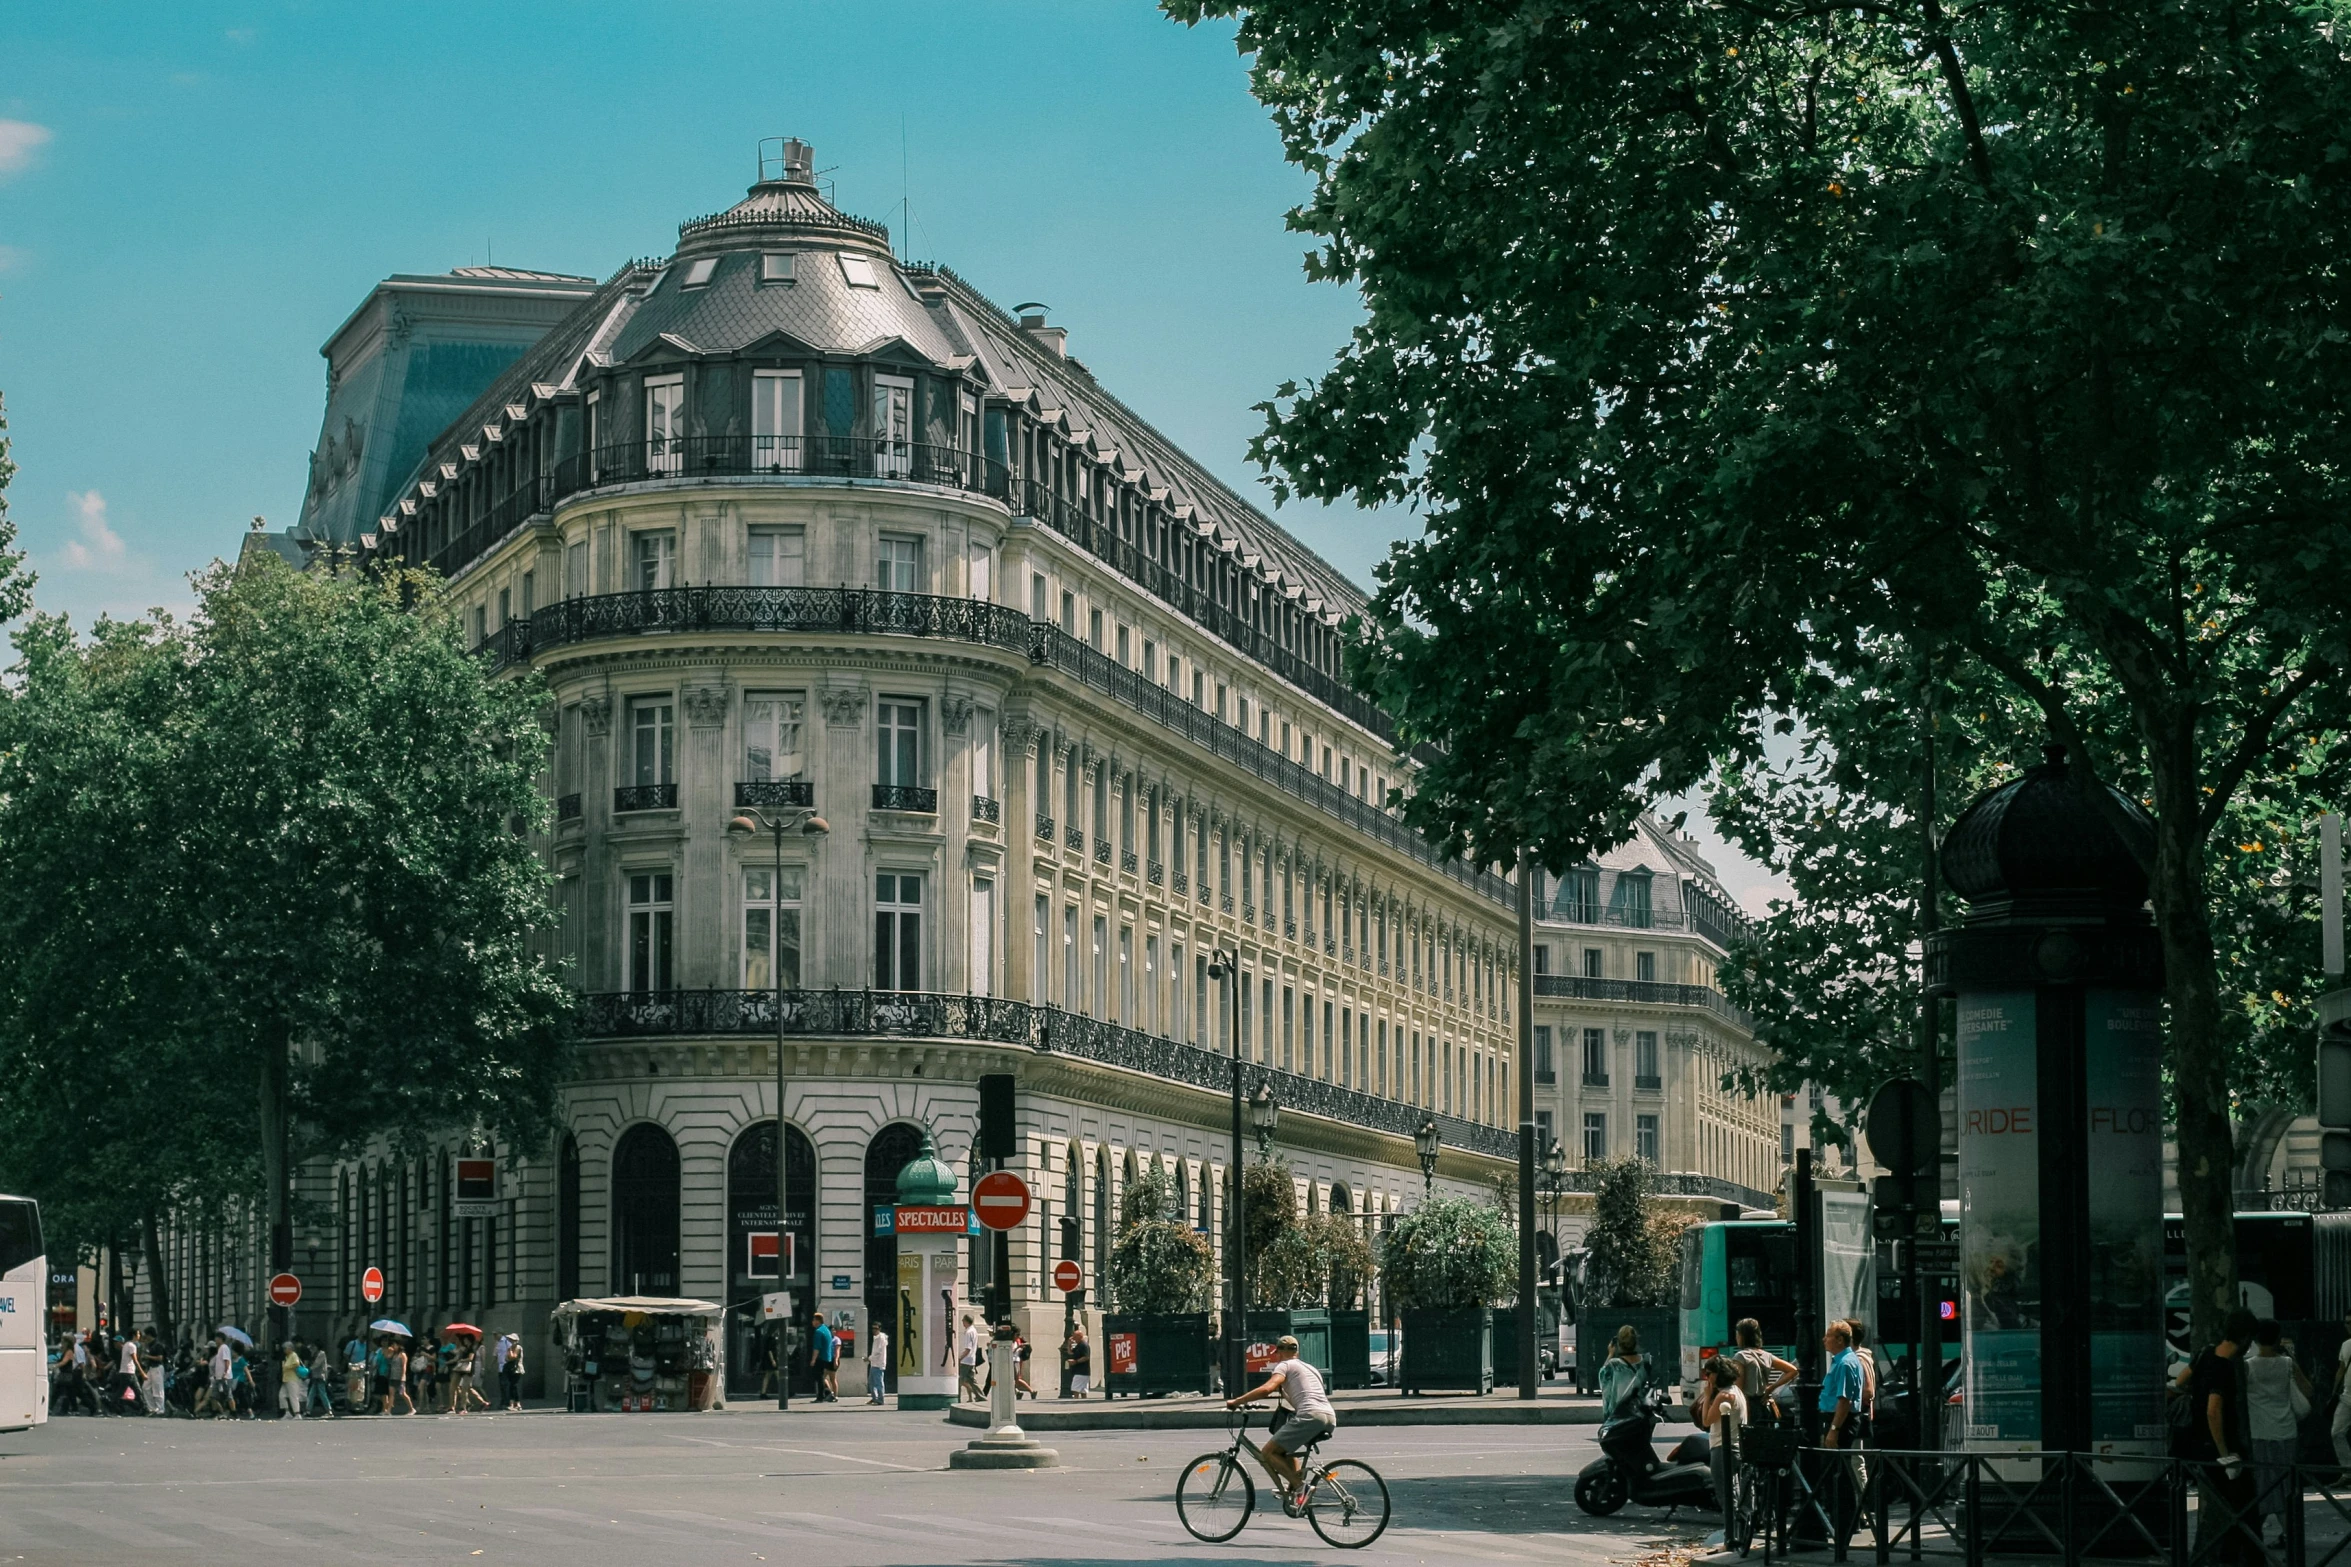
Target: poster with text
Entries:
(2124, 1078)
(2000, 1217)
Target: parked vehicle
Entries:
(1629, 1470)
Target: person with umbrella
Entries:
(461, 1342)
(391, 1364)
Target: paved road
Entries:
(848, 1486)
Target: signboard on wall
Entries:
(768, 1255)
(476, 1192)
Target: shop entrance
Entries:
(891, 1150)
(645, 1212)
(757, 1267)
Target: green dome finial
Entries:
(926, 1182)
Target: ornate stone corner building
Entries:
(784, 522)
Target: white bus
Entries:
(24, 1303)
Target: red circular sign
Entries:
(1066, 1276)
(284, 1290)
(371, 1285)
(1001, 1199)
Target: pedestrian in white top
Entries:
(877, 1366)
(967, 1384)
(1311, 1417)
(2277, 1396)
(2339, 1423)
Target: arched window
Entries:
(764, 1256)
(1183, 1184)
(645, 1212)
(1341, 1202)
(567, 1219)
(1102, 1224)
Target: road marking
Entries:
(1157, 1536)
(803, 1452)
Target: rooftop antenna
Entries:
(905, 193)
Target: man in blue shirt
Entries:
(1841, 1388)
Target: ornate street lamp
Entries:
(1554, 1182)
(1425, 1142)
(1225, 968)
(1264, 1114)
(778, 825)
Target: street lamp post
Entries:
(1225, 968)
(778, 824)
(1264, 1114)
(1425, 1142)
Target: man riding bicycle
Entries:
(1310, 1416)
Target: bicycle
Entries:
(1346, 1500)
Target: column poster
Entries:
(908, 1344)
(2124, 1040)
(2000, 1218)
(940, 1307)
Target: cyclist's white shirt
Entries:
(1302, 1390)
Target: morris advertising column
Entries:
(931, 1228)
(2057, 976)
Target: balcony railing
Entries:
(1046, 1030)
(1045, 828)
(783, 456)
(777, 793)
(644, 797)
(1076, 841)
(984, 809)
(567, 808)
(1718, 926)
(1580, 988)
(906, 797)
(1648, 1084)
(1127, 861)
(1595, 1079)
(1102, 850)
(1155, 874)
(833, 611)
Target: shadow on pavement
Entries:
(1529, 1504)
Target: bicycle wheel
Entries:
(1214, 1497)
(1348, 1504)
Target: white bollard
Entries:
(1005, 1446)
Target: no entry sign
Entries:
(1066, 1275)
(285, 1290)
(371, 1285)
(1001, 1199)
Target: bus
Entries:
(1734, 1268)
(2291, 1265)
(24, 1302)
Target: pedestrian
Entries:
(469, 1394)
(2339, 1422)
(445, 1378)
(1761, 1373)
(241, 1382)
(129, 1372)
(877, 1365)
(967, 1374)
(510, 1371)
(292, 1373)
(1623, 1374)
(1077, 1357)
(822, 1349)
(1722, 1412)
(2277, 1396)
(1844, 1391)
(396, 1376)
(152, 1358)
(221, 1390)
(321, 1381)
(2223, 1439)
(1020, 1366)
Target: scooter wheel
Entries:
(1600, 1494)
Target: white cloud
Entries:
(99, 544)
(19, 140)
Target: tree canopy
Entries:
(1725, 348)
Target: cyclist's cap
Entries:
(1286, 1341)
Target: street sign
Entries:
(1936, 1256)
(1067, 1275)
(1904, 1126)
(1001, 1199)
(285, 1290)
(776, 1307)
(371, 1285)
(907, 1220)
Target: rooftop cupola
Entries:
(784, 204)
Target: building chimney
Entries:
(1053, 339)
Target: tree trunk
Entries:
(158, 1285)
(276, 1178)
(2199, 1066)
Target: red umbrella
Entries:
(462, 1327)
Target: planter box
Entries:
(1449, 1351)
(1311, 1326)
(1350, 1349)
(1170, 1353)
(1660, 1328)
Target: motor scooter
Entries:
(1629, 1470)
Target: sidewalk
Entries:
(1555, 1404)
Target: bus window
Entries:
(1760, 1264)
(20, 1234)
(1693, 1267)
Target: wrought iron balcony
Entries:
(984, 809)
(1076, 841)
(644, 797)
(1102, 850)
(781, 456)
(1595, 1079)
(906, 797)
(777, 793)
(1544, 1074)
(1127, 861)
(1648, 1085)
(818, 1014)
(1581, 987)
(567, 808)
(1045, 829)
(1156, 874)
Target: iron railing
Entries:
(567, 808)
(905, 797)
(1045, 829)
(776, 793)
(1721, 927)
(988, 1019)
(840, 457)
(644, 797)
(984, 809)
(1579, 987)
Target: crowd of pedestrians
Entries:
(100, 1372)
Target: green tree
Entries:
(1160, 1264)
(1713, 341)
(291, 833)
(1450, 1254)
(16, 584)
(1634, 1241)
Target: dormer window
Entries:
(859, 272)
(698, 271)
(776, 267)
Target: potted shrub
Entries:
(1350, 1266)
(1155, 1338)
(1632, 1276)
(1287, 1286)
(1446, 1263)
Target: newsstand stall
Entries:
(640, 1354)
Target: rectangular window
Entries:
(652, 932)
(1347, 1049)
(1328, 1039)
(1591, 963)
(857, 271)
(652, 731)
(776, 266)
(665, 425)
(1069, 958)
(1380, 1061)
(982, 978)
(1151, 661)
(776, 420)
(983, 752)
(530, 592)
(772, 728)
(898, 724)
(1037, 597)
(764, 916)
(897, 932)
(898, 565)
(1289, 1015)
(1248, 1013)
(1265, 1054)
(1101, 954)
(893, 422)
(655, 553)
(1645, 1059)
(1645, 1138)
(1579, 896)
(1148, 1017)
(1126, 974)
(1596, 1057)
(1416, 1097)
(1645, 967)
(1123, 645)
(1040, 982)
(1094, 629)
(1200, 1012)
(1542, 958)
(1543, 1070)
(1595, 1137)
(1544, 1134)
(575, 569)
(779, 557)
(1069, 613)
(979, 572)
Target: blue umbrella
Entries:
(387, 1325)
(234, 1335)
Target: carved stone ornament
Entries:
(955, 713)
(596, 713)
(706, 706)
(1681, 1041)
(1018, 732)
(844, 705)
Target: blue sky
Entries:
(192, 197)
